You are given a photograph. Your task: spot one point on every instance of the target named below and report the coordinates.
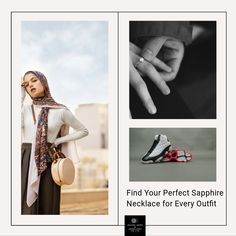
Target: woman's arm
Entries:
(80, 131)
(23, 94)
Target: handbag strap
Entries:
(55, 153)
(33, 113)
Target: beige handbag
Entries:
(62, 169)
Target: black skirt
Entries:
(48, 201)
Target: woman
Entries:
(44, 123)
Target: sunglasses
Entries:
(179, 155)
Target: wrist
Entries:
(56, 143)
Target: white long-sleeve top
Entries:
(56, 118)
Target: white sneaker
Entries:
(159, 148)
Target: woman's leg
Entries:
(49, 194)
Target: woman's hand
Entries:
(53, 145)
(140, 67)
(23, 83)
(23, 93)
(52, 152)
(159, 60)
(168, 50)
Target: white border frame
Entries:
(9, 229)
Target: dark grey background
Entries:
(201, 142)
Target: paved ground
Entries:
(88, 208)
(202, 168)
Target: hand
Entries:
(163, 57)
(52, 152)
(23, 93)
(23, 83)
(53, 145)
(144, 68)
(168, 50)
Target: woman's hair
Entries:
(42, 78)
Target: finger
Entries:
(134, 48)
(135, 60)
(130, 116)
(174, 44)
(155, 61)
(174, 52)
(149, 70)
(23, 84)
(140, 87)
(161, 65)
(168, 76)
(175, 64)
(152, 47)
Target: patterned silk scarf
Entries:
(41, 140)
(46, 102)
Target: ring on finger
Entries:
(147, 54)
(140, 60)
